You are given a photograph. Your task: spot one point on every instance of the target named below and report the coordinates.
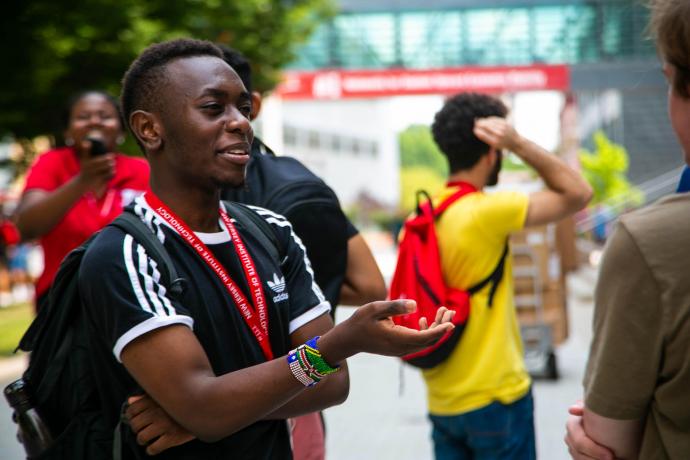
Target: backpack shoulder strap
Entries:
(131, 224)
(258, 227)
(497, 273)
(464, 189)
(495, 277)
(262, 148)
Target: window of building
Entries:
(289, 135)
(313, 140)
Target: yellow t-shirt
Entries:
(487, 365)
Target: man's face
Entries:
(206, 130)
(493, 175)
(679, 113)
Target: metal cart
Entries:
(540, 357)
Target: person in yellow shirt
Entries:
(479, 398)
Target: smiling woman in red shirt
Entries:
(73, 191)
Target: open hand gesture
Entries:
(370, 329)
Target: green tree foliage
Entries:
(422, 165)
(54, 48)
(605, 170)
(417, 178)
(417, 148)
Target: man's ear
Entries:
(147, 128)
(492, 156)
(256, 105)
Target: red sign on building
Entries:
(341, 84)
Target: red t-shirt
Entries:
(88, 215)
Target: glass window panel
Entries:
(611, 29)
(289, 135)
(513, 37)
(566, 33)
(315, 53)
(497, 36)
(314, 140)
(583, 39)
(550, 33)
(481, 25)
(365, 40)
(430, 40)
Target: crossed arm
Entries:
(173, 370)
(591, 436)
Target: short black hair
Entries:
(145, 76)
(239, 64)
(76, 97)
(453, 127)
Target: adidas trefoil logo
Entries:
(278, 284)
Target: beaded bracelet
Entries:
(307, 364)
(297, 370)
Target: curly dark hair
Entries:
(146, 75)
(454, 123)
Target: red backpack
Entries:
(418, 276)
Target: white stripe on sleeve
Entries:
(148, 281)
(133, 274)
(153, 323)
(309, 315)
(161, 291)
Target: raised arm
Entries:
(567, 191)
(40, 210)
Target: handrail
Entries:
(664, 183)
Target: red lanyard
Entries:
(256, 317)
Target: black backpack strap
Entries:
(495, 277)
(262, 148)
(122, 424)
(133, 225)
(258, 227)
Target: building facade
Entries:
(342, 102)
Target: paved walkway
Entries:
(12, 367)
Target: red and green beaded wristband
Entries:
(307, 364)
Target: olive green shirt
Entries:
(639, 362)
